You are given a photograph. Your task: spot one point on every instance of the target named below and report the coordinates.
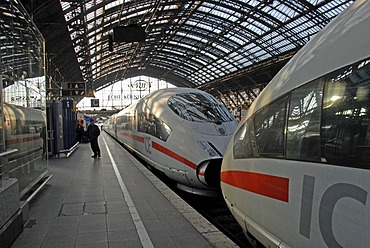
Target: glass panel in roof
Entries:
(276, 37)
(265, 18)
(183, 45)
(195, 80)
(189, 65)
(114, 4)
(230, 17)
(287, 12)
(190, 36)
(254, 50)
(171, 7)
(288, 47)
(205, 7)
(254, 2)
(91, 4)
(262, 55)
(314, 2)
(113, 16)
(257, 28)
(208, 55)
(90, 16)
(221, 47)
(235, 37)
(248, 47)
(247, 64)
(210, 76)
(212, 28)
(158, 22)
(173, 51)
(228, 69)
(134, 14)
(235, 55)
(332, 9)
(296, 29)
(302, 22)
(200, 61)
(219, 62)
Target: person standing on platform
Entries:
(93, 133)
(79, 132)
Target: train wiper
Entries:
(217, 120)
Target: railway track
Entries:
(215, 210)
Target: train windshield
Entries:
(199, 107)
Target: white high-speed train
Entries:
(182, 132)
(297, 171)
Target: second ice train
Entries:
(181, 132)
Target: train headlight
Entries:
(209, 149)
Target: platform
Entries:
(112, 201)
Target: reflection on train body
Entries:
(23, 129)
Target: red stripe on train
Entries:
(262, 184)
(173, 155)
(22, 140)
(133, 136)
(163, 149)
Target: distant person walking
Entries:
(93, 133)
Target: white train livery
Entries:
(297, 171)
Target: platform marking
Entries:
(141, 231)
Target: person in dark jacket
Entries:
(93, 133)
(79, 132)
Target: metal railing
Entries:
(4, 169)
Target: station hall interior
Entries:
(63, 61)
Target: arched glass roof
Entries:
(229, 48)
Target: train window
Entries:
(124, 122)
(245, 142)
(345, 131)
(303, 131)
(199, 107)
(269, 127)
(152, 125)
(328, 121)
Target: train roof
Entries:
(26, 112)
(172, 91)
(344, 41)
(159, 97)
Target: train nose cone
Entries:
(208, 172)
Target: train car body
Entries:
(179, 131)
(296, 172)
(22, 129)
